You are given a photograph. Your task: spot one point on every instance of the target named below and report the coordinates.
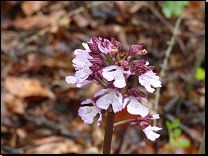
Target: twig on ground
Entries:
(167, 54)
(197, 64)
(71, 13)
(162, 19)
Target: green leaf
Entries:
(200, 74)
(177, 132)
(168, 124)
(182, 143)
(173, 7)
(175, 123)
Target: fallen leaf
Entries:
(61, 147)
(39, 22)
(24, 87)
(80, 20)
(15, 104)
(29, 7)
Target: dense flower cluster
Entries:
(103, 62)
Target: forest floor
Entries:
(39, 109)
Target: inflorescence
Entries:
(103, 62)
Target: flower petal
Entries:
(135, 108)
(155, 116)
(108, 68)
(100, 92)
(149, 78)
(70, 79)
(103, 102)
(99, 119)
(150, 134)
(119, 78)
(87, 113)
(87, 101)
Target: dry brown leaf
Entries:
(39, 22)
(48, 139)
(66, 146)
(22, 87)
(29, 7)
(80, 20)
(122, 5)
(15, 104)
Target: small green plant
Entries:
(174, 133)
(200, 74)
(173, 7)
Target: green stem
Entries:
(123, 122)
(101, 83)
(108, 131)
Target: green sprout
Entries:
(200, 74)
(174, 135)
(173, 7)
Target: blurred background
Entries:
(39, 109)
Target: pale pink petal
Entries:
(135, 108)
(87, 101)
(117, 106)
(148, 79)
(150, 134)
(87, 113)
(70, 79)
(80, 84)
(119, 79)
(126, 100)
(83, 74)
(100, 92)
(103, 102)
(108, 75)
(99, 119)
(155, 116)
(108, 68)
(143, 99)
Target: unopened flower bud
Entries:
(136, 93)
(116, 44)
(142, 124)
(140, 67)
(134, 49)
(114, 52)
(123, 64)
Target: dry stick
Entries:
(71, 13)
(202, 146)
(167, 54)
(168, 25)
(197, 64)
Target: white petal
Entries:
(87, 113)
(155, 116)
(119, 79)
(100, 92)
(126, 100)
(117, 106)
(150, 134)
(87, 101)
(108, 68)
(108, 75)
(103, 102)
(99, 119)
(83, 74)
(135, 108)
(70, 79)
